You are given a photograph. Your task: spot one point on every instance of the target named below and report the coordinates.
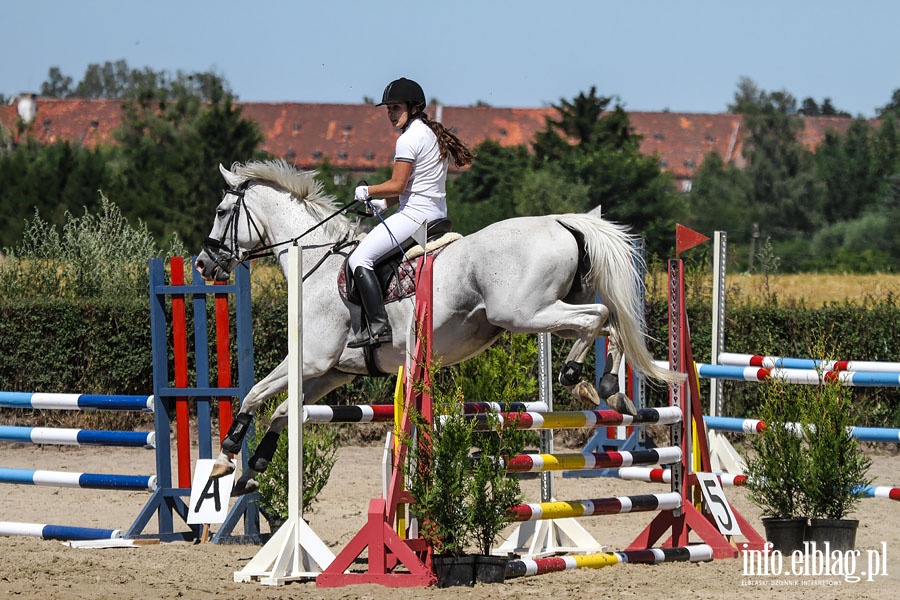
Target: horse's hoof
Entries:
(621, 403)
(585, 392)
(221, 469)
(244, 486)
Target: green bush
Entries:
(320, 446)
(806, 463)
(777, 467)
(836, 467)
(95, 255)
(437, 472)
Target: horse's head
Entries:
(268, 205)
(235, 232)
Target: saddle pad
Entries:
(398, 288)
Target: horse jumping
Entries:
(523, 275)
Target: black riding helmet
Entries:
(404, 91)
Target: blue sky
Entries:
(684, 56)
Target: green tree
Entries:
(118, 80)
(53, 179)
(171, 145)
(785, 196)
(109, 80)
(57, 84)
(892, 107)
(718, 198)
(586, 122)
(809, 108)
(593, 146)
(484, 193)
(848, 167)
(548, 191)
(887, 148)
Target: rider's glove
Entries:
(378, 205)
(362, 193)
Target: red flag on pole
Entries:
(686, 238)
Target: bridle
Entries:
(227, 257)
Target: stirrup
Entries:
(385, 337)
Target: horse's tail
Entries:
(615, 266)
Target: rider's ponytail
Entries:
(449, 143)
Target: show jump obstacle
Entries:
(295, 552)
(394, 561)
(48, 435)
(719, 523)
(167, 400)
(397, 561)
(167, 499)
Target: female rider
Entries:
(418, 183)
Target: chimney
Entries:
(27, 107)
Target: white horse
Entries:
(523, 275)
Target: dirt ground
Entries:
(34, 568)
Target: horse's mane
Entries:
(302, 185)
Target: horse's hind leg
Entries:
(608, 387)
(609, 381)
(587, 322)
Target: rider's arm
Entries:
(392, 188)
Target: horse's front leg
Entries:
(313, 390)
(273, 383)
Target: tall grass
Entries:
(92, 255)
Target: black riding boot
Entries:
(373, 304)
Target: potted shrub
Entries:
(501, 374)
(493, 493)
(459, 500)
(836, 467)
(777, 467)
(437, 473)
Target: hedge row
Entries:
(103, 346)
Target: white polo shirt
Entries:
(427, 181)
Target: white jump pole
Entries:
(294, 552)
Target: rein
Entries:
(217, 247)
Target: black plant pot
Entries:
(785, 535)
(490, 569)
(452, 570)
(839, 533)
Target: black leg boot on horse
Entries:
(379, 329)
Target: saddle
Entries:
(395, 274)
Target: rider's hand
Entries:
(362, 193)
(378, 205)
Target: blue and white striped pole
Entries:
(96, 481)
(77, 437)
(37, 400)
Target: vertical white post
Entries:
(545, 395)
(720, 250)
(294, 551)
(722, 455)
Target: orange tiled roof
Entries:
(359, 136)
(87, 122)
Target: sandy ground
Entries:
(34, 568)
